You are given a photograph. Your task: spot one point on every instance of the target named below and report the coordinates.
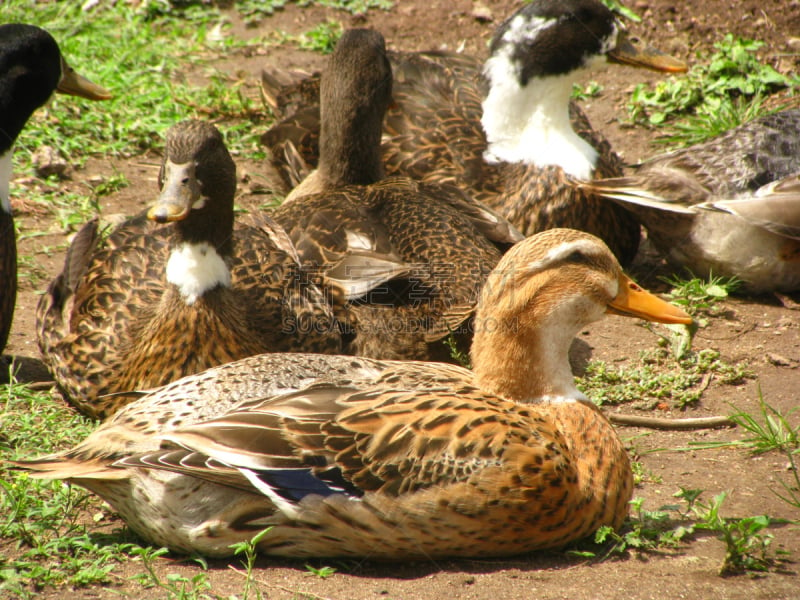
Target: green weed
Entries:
(772, 431)
(322, 38)
(643, 531)
(658, 378)
(583, 92)
(354, 7)
(176, 587)
(746, 546)
(457, 353)
(698, 296)
(321, 572)
(249, 549)
(722, 89)
(621, 9)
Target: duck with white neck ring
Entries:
(504, 130)
(178, 289)
(387, 459)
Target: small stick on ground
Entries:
(671, 424)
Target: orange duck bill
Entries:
(633, 301)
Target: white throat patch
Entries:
(195, 269)
(531, 124)
(5, 180)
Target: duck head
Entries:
(542, 293)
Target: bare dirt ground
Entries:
(761, 331)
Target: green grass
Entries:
(41, 520)
(769, 431)
(622, 10)
(747, 546)
(142, 60)
(659, 379)
(139, 54)
(719, 92)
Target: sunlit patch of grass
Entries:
(583, 92)
(769, 431)
(658, 379)
(700, 297)
(623, 10)
(719, 92)
(747, 547)
(44, 520)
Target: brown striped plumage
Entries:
(383, 459)
(407, 259)
(112, 323)
(726, 207)
(433, 131)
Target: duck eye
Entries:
(576, 257)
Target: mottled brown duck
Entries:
(178, 289)
(382, 459)
(405, 259)
(31, 70)
(504, 129)
(727, 207)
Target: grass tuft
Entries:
(719, 92)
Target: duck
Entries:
(727, 207)
(178, 288)
(403, 260)
(505, 129)
(387, 460)
(31, 70)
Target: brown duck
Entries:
(152, 303)
(406, 259)
(382, 459)
(502, 129)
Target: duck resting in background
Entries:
(405, 259)
(151, 303)
(381, 459)
(31, 70)
(729, 206)
(502, 129)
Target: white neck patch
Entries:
(5, 180)
(195, 269)
(522, 29)
(575, 396)
(531, 124)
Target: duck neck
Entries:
(198, 255)
(5, 180)
(196, 268)
(531, 123)
(349, 143)
(214, 231)
(524, 363)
